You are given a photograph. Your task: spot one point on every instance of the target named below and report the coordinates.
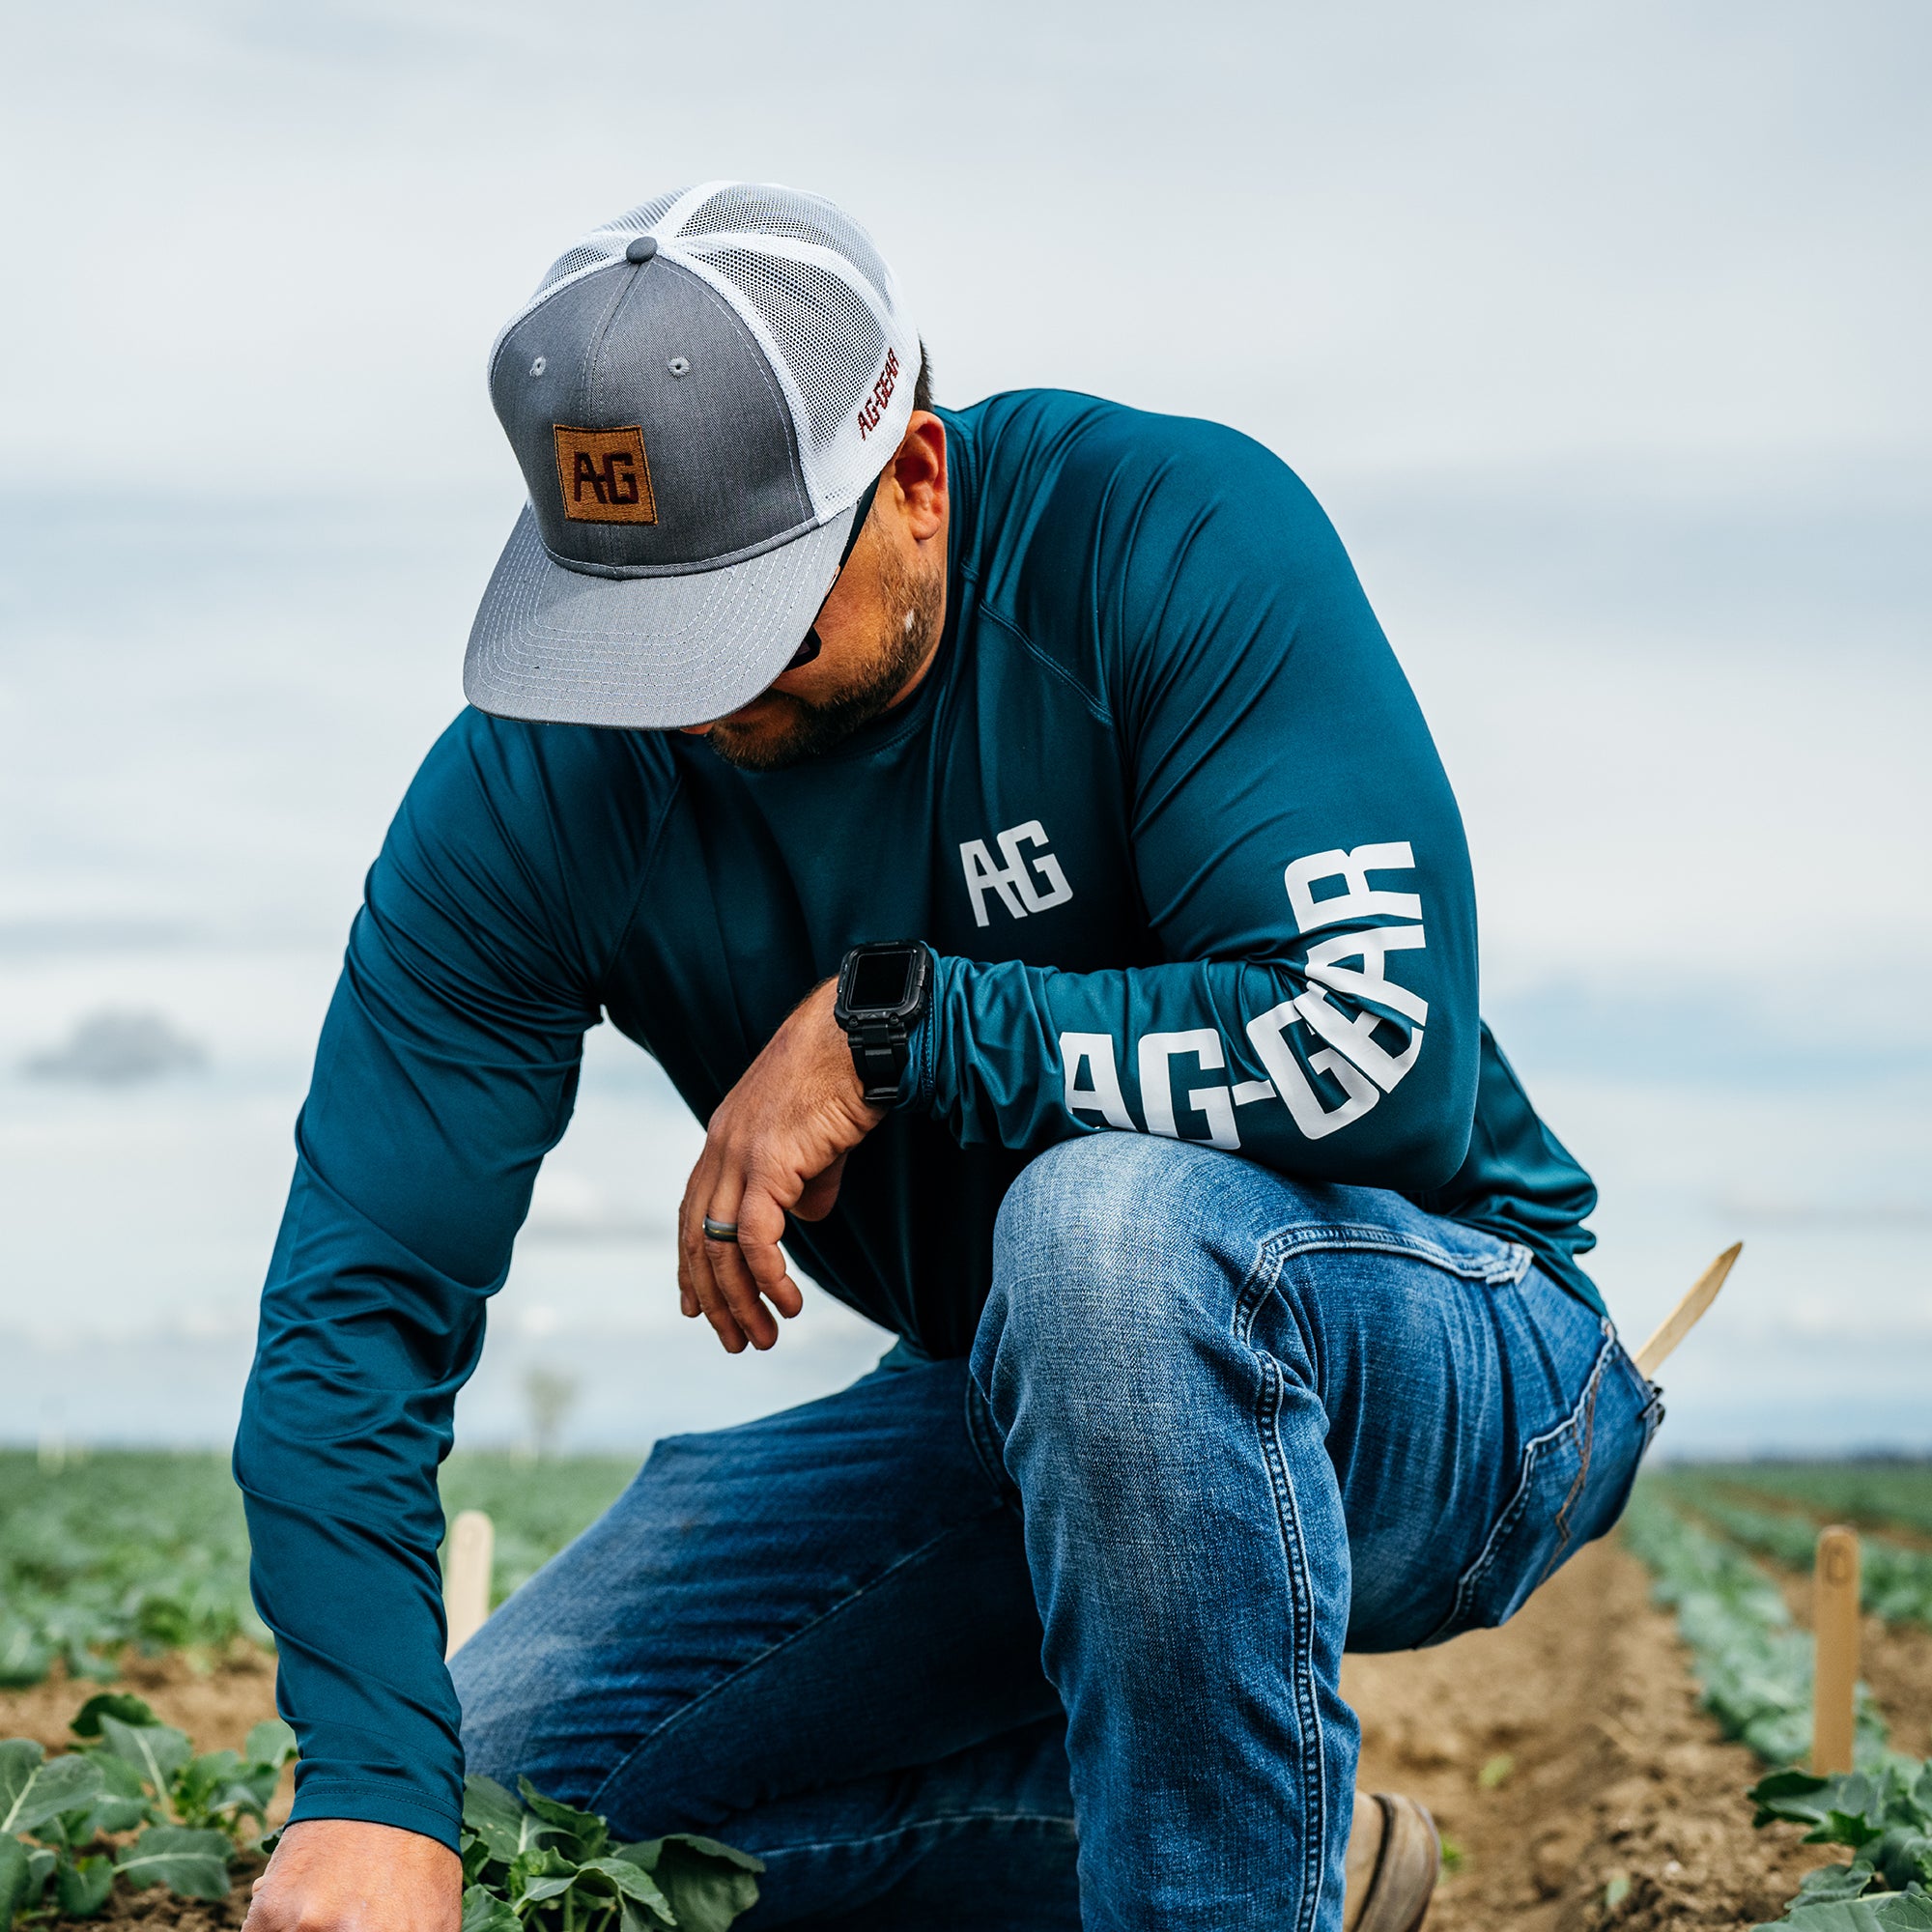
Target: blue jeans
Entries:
(1052, 1638)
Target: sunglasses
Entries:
(860, 510)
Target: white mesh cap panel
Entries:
(569, 263)
(832, 342)
(805, 278)
(803, 218)
(603, 244)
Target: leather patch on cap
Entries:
(605, 476)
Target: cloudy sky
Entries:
(263, 248)
(1598, 330)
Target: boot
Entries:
(1393, 1858)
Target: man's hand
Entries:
(342, 1875)
(778, 1142)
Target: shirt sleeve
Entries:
(1294, 840)
(448, 1067)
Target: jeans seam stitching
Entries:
(986, 1444)
(1649, 1397)
(1589, 1407)
(1262, 1274)
(1533, 1451)
(1357, 1237)
(765, 1656)
(1288, 1517)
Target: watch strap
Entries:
(879, 1053)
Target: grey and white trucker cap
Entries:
(699, 393)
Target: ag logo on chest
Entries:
(1023, 884)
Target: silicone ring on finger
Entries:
(720, 1231)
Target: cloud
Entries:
(280, 240)
(117, 1049)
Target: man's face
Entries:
(879, 625)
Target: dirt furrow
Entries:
(1559, 1755)
(1614, 1772)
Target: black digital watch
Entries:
(883, 989)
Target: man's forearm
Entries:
(1287, 1070)
(336, 1457)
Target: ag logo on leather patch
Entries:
(605, 476)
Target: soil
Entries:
(159, 1910)
(1560, 1755)
(1614, 1772)
(213, 1696)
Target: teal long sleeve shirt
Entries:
(1167, 813)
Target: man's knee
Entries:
(494, 1679)
(1081, 1215)
(1111, 1249)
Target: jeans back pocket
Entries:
(1574, 1479)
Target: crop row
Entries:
(131, 1804)
(1874, 1495)
(1755, 1668)
(1896, 1582)
(1752, 1663)
(151, 1549)
(144, 1549)
(1883, 1817)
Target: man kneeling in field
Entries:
(1010, 831)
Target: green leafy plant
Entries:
(154, 1776)
(532, 1862)
(1895, 1582)
(41, 1799)
(133, 1801)
(151, 1549)
(1884, 1816)
(1753, 1665)
(1755, 1671)
(128, 1548)
(1875, 1495)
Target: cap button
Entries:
(642, 249)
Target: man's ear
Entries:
(918, 470)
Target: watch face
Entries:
(882, 979)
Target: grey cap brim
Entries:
(650, 652)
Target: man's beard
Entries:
(806, 730)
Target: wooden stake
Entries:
(1686, 1316)
(1835, 1625)
(466, 1577)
